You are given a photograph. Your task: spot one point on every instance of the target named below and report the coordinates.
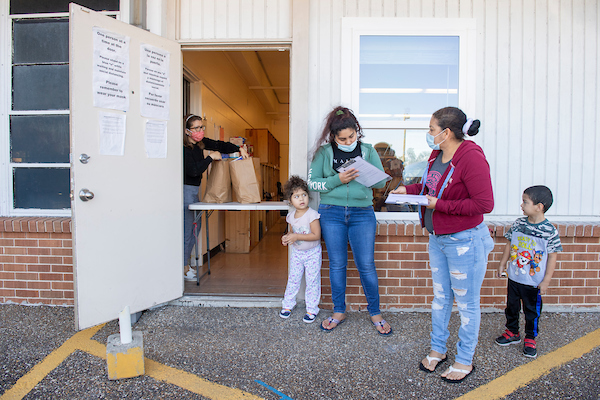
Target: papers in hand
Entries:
(368, 174)
(407, 199)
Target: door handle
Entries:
(85, 195)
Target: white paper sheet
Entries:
(112, 133)
(154, 81)
(406, 199)
(111, 70)
(368, 174)
(155, 139)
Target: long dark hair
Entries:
(187, 123)
(338, 119)
(456, 120)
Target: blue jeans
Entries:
(357, 225)
(190, 195)
(458, 263)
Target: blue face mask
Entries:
(430, 141)
(348, 148)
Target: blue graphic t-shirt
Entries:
(530, 246)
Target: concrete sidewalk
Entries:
(254, 351)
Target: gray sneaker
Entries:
(508, 338)
(529, 349)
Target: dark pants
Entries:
(532, 308)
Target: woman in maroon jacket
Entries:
(458, 186)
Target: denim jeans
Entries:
(357, 225)
(458, 263)
(190, 195)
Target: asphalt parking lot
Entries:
(251, 353)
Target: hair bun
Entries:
(473, 128)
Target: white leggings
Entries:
(307, 262)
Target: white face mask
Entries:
(348, 148)
(431, 139)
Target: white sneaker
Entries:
(190, 275)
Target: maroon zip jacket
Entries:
(468, 195)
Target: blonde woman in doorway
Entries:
(194, 165)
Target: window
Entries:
(56, 6)
(38, 110)
(39, 121)
(405, 77)
(400, 72)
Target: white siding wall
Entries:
(537, 89)
(205, 20)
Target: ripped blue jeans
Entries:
(458, 262)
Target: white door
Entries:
(128, 239)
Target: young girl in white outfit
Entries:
(304, 235)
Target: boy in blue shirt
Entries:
(529, 259)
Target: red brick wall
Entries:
(36, 261)
(36, 266)
(405, 280)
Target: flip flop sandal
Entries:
(381, 324)
(429, 360)
(462, 371)
(331, 320)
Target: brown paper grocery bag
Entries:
(256, 162)
(244, 182)
(218, 184)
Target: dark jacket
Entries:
(194, 162)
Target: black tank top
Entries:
(340, 157)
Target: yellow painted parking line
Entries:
(496, 389)
(174, 376)
(83, 341)
(28, 381)
(194, 383)
(523, 375)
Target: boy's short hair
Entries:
(540, 194)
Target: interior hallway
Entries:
(262, 272)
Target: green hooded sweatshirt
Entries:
(324, 179)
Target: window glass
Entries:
(49, 6)
(41, 87)
(45, 188)
(404, 154)
(39, 138)
(40, 41)
(404, 77)
(40, 83)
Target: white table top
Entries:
(263, 205)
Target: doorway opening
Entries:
(243, 96)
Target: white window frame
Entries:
(354, 28)
(6, 164)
